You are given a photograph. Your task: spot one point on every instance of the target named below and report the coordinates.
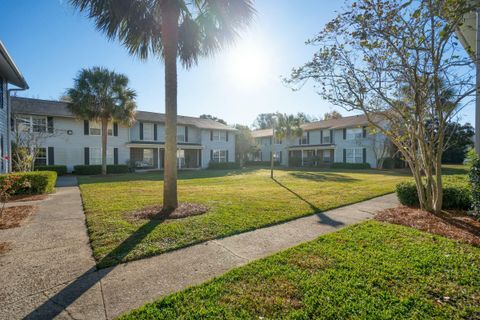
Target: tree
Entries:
(286, 127)
(264, 121)
(459, 140)
(171, 30)
(104, 96)
(394, 60)
(244, 143)
(306, 118)
(332, 115)
(208, 116)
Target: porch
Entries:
(153, 158)
(311, 156)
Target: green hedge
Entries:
(97, 169)
(223, 165)
(260, 163)
(35, 182)
(342, 165)
(455, 196)
(59, 169)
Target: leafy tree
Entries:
(208, 116)
(264, 121)
(171, 30)
(104, 96)
(286, 127)
(393, 60)
(458, 141)
(306, 118)
(332, 115)
(244, 143)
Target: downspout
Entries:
(9, 129)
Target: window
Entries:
(148, 131)
(277, 140)
(181, 134)
(96, 156)
(219, 136)
(31, 123)
(327, 156)
(180, 158)
(304, 138)
(219, 156)
(277, 156)
(148, 157)
(96, 129)
(41, 158)
(354, 133)
(354, 155)
(326, 137)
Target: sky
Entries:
(50, 42)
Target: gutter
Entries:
(8, 59)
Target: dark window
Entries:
(41, 158)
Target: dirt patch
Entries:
(185, 209)
(4, 247)
(13, 217)
(27, 197)
(451, 224)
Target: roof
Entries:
(60, 109)
(345, 122)
(9, 70)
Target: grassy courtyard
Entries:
(238, 200)
(366, 271)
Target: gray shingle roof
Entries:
(60, 109)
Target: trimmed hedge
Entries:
(260, 163)
(223, 165)
(342, 165)
(59, 169)
(97, 169)
(455, 196)
(35, 182)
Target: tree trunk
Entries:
(170, 44)
(104, 145)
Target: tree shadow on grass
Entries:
(322, 176)
(323, 218)
(68, 295)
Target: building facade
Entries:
(345, 140)
(9, 74)
(70, 141)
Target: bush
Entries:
(455, 196)
(342, 165)
(474, 178)
(223, 165)
(35, 182)
(59, 169)
(97, 169)
(260, 163)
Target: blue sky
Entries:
(51, 42)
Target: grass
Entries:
(238, 200)
(371, 270)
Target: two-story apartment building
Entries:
(71, 141)
(336, 140)
(9, 74)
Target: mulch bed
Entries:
(13, 217)
(4, 247)
(451, 224)
(27, 197)
(185, 209)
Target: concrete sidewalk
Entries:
(51, 273)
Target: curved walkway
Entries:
(50, 272)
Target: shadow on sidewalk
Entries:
(324, 219)
(68, 295)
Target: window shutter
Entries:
(141, 130)
(115, 129)
(115, 155)
(211, 155)
(331, 136)
(186, 134)
(227, 136)
(321, 136)
(211, 135)
(271, 139)
(155, 133)
(280, 156)
(86, 153)
(86, 127)
(364, 132)
(200, 158)
(344, 133)
(51, 156)
(364, 155)
(308, 137)
(344, 155)
(226, 154)
(50, 124)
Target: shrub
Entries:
(455, 195)
(97, 169)
(342, 165)
(35, 182)
(260, 163)
(474, 178)
(59, 169)
(223, 165)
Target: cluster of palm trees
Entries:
(169, 29)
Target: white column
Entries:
(302, 157)
(159, 159)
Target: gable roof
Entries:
(345, 122)
(60, 109)
(9, 70)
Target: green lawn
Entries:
(366, 271)
(238, 201)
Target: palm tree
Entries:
(170, 29)
(102, 95)
(285, 127)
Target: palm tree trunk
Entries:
(170, 42)
(104, 145)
